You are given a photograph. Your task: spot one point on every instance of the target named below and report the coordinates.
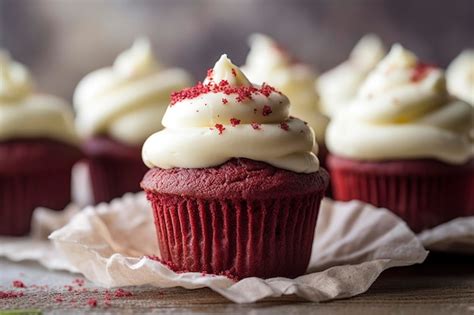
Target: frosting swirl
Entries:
(125, 100)
(339, 86)
(227, 117)
(460, 76)
(403, 111)
(268, 62)
(25, 114)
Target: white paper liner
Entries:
(354, 243)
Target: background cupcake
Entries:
(339, 86)
(268, 62)
(38, 147)
(117, 109)
(460, 76)
(234, 184)
(403, 144)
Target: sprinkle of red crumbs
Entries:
(80, 282)
(122, 293)
(234, 73)
(92, 302)
(267, 110)
(220, 128)
(421, 71)
(234, 122)
(18, 284)
(284, 126)
(10, 294)
(225, 101)
(256, 126)
(243, 92)
(210, 72)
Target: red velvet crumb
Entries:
(10, 294)
(122, 293)
(421, 71)
(234, 122)
(225, 101)
(256, 126)
(267, 110)
(18, 284)
(220, 128)
(243, 92)
(92, 302)
(284, 126)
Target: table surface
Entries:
(444, 284)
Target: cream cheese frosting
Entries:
(403, 111)
(26, 114)
(268, 62)
(460, 76)
(128, 100)
(228, 117)
(339, 86)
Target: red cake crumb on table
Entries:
(92, 302)
(18, 284)
(10, 294)
(122, 293)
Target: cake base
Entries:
(423, 192)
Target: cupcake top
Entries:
(268, 62)
(228, 117)
(460, 76)
(339, 86)
(403, 111)
(128, 100)
(26, 114)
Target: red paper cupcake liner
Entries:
(112, 177)
(238, 238)
(21, 194)
(424, 193)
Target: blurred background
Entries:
(62, 40)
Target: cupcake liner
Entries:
(425, 193)
(236, 237)
(21, 194)
(112, 177)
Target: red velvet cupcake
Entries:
(117, 109)
(38, 147)
(234, 184)
(404, 145)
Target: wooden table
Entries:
(442, 285)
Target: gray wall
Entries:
(61, 40)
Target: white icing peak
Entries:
(15, 79)
(338, 86)
(460, 76)
(368, 51)
(229, 117)
(136, 61)
(403, 111)
(25, 114)
(128, 100)
(225, 70)
(268, 62)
